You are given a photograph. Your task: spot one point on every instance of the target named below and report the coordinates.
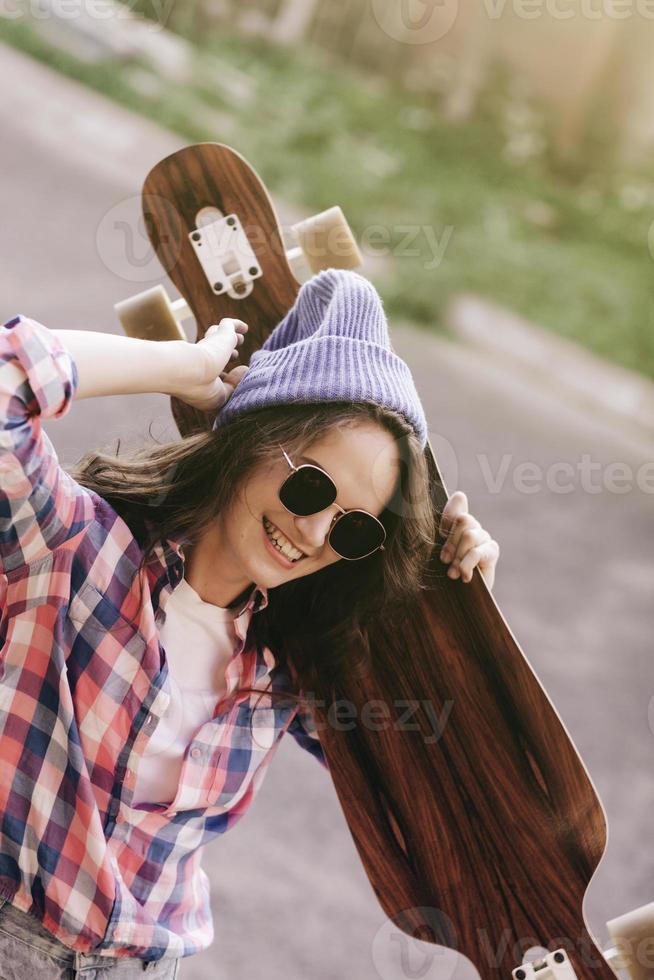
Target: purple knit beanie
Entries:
(333, 345)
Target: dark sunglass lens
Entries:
(356, 534)
(307, 491)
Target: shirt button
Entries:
(129, 775)
(196, 752)
(120, 818)
(149, 721)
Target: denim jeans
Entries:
(29, 952)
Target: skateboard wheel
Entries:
(327, 241)
(633, 938)
(150, 315)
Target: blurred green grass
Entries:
(566, 250)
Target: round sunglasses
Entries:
(309, 489)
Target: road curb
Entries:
(622, 397)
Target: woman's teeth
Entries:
(281, 543)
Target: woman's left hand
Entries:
(212, 384)
(467, 545)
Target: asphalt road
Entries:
(575, 580)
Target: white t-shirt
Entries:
(199, 639)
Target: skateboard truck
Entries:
(226, 256)
(554, 966)
(632, 952)
(231, 267)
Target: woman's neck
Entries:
(201, 571)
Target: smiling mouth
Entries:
(269, 529)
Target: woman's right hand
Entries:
(214, 385)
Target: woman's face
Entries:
(362, 460)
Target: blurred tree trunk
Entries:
(631, 84)
(293, 21)
(189, 19)
(351, 32)
(594, 62)
(472, 64)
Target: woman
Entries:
(165, 616)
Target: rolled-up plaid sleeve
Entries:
(41, 506)
(303, 730)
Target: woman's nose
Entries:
(314, 528)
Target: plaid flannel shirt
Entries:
(83, 682)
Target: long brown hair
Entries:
(314, 625)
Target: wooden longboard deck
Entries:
(495, 850)
(175, 190)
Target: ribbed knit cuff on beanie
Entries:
(333, 345)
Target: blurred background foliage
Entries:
(510, 157)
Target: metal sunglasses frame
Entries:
(357, 510)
